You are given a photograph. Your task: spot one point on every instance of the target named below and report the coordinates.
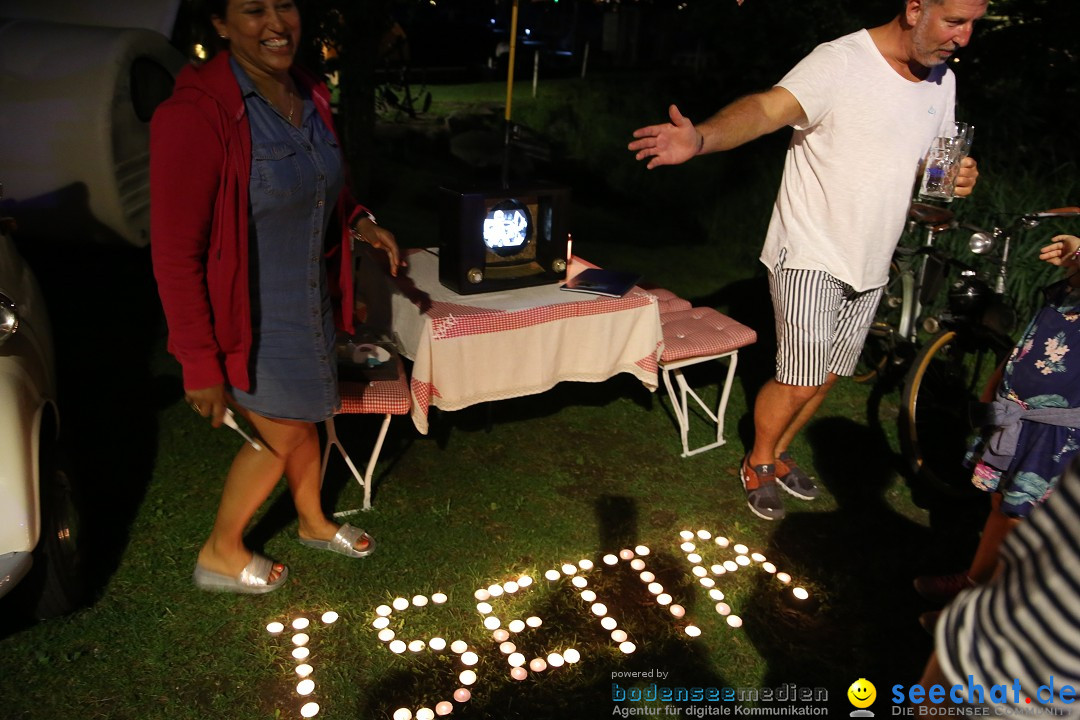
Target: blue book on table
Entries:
(597, 281)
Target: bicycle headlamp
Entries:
(980, 242)
(9, 318)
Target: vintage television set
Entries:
(501, 239)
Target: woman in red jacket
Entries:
(247, 180)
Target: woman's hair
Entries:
(212, 8)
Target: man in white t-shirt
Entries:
(864, 109)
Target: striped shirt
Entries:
(1025, 625)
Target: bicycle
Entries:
(959, 363)
(910, 301)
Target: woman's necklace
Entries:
(292, 107)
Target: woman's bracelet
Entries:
(354, 233)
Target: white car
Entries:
(39, 538)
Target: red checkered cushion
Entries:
(666, 300)
(381, 397)
(701, 331)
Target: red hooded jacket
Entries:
(200, 166)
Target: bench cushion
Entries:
(701, 332)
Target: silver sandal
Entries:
(344, 542)
(254, 579)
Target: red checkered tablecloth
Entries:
(493, 346)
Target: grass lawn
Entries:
(571, 475)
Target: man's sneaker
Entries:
(793, 478)
(763, 500)
(941, 589)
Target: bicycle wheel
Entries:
(949, 373)
(881, 339)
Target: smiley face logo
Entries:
(862, 693)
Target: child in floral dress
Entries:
(1037, 422)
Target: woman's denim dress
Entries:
(296, 175)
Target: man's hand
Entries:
(667, 144)
(966, 177)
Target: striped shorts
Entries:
(821, 324)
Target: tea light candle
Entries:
(569, 569)
(555, 660)
(380, 622)
(419, 601)
(459, 646)
(483, 608)
(538, 665)
(403, 714)
(400, 603)
(416, 645)
(516, 659)
(300, 623)
(482, 594)
(330, 617)
(533, 622)
(437, 644)
(734, 621)
(723, 608)
(610, 559)
(721, 541)
(397, 647)
(608, 623)
(585, 564)
(686, 535)
(571, 655)
(626, 554)
(438, 598)
(425, 714)
(552, 575)
(303, 670)
(500, 635)
(516, 626)
(444, 708)
(309, 710)
(519, 673)
(693, 630)
(588, 596)
(642, 550)
(305, 687)
(462, 695)
(627, 647)
(618, 635)
(386, 634)
(300, 639)
(275, 628)
(741, 549)
(704, 534)
(383, 610)
(491, 622)
(301, 653)
(468, 659)
(524, 581)
(467, 677)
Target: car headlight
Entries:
(9, 318)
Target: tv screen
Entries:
(499, 239)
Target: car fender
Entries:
(22, 412)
